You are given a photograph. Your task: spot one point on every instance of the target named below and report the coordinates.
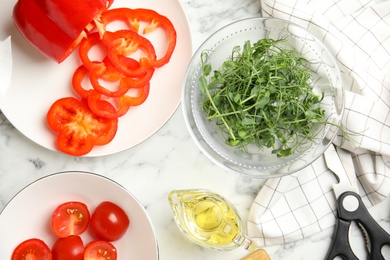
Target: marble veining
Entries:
(168, 160)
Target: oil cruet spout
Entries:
(208, 219)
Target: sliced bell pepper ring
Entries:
(117, 43)
(96, 105)
(110, 73)
(156, 20)
(118, 14)
(123, 102)
(93, 39)
(86, 44)
(125, 83)
(56, 27)
(132, 17)
(94, 79)
(129, 82)
(79, 130)
(142, 95)
(78, 77)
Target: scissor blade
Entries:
(346, 161)
(346, 183)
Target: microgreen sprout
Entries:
(262, 95)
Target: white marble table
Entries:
(150, 173)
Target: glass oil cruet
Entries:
(209, 220)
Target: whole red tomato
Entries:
(71, 247)
(109, 221)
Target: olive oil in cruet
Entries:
(208, 219)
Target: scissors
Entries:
(350, 208)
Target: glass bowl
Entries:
(326, 78)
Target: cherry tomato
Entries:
(100, 250)
(71, 247)
(34, 249)
(70, 218)
(109, 221)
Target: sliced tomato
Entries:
(109, 221)
(32, 249)
(70, 218)
(78, 128)
(100, 250)
(68, 248)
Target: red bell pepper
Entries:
(78, 77)
(124, 84)
(142, 95)
(139, 82)
(78, 129)
(99, 87)
(132, 17)
(104, 67)
(96, 103)
(110, 73)
(56, 27)
(81, 74)
(124, 42)
(86, 44)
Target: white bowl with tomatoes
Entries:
(76, 215)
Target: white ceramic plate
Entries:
(28, 214)
(37, 82)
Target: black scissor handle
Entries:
(377, 235)
(340, 246)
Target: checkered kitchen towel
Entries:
(357, 32)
